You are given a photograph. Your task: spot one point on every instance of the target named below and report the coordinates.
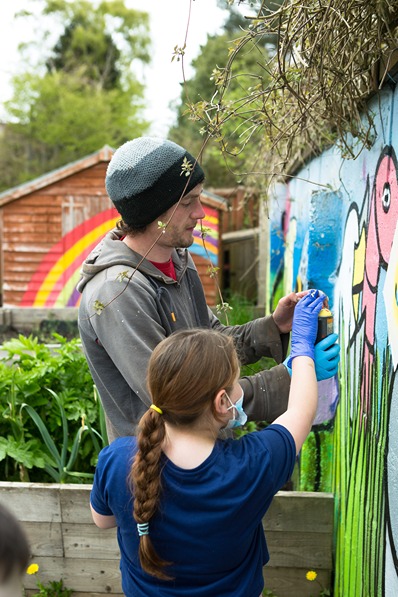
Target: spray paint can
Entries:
(325, 324)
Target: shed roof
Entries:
(102, 155)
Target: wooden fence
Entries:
(67, 545)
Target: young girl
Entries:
(198, 500)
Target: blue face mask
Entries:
(240, 417)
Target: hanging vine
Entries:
(330, 56)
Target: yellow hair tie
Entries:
(158, 410)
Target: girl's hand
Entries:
(305, 324)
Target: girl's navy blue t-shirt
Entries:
(209, 520)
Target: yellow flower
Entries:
(32, 569)
(311, 575)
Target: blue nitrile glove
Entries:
(305, 325)
(327, 358)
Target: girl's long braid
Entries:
(145, 477)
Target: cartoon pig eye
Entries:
(386, 197)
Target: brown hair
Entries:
(130, 229)
(185, 372)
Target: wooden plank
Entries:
(19, 265)
(45, 538)
(15, 259)
(87, 540)
(85, 575)
(25, 248)
(75, 503)
(291, 582)
(36, 238)
(104, 578)
(29, 225)
(31, 317)
(300, 512)
(31, 592)
(36, 200)
(83, 186)
(32, 502)
(11, 219)
(18, 280)
(304, 550)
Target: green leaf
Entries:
(45, 435)
(75, 448)
(3, 448)
(64, 448)
(29, 453)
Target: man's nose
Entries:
(198, 213)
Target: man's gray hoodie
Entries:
(128, 306)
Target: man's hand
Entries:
(283, 314)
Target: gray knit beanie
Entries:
(145, 177)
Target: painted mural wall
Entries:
(334, 227)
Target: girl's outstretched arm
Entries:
(303, 395)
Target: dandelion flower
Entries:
(33, 569)
(311, 575)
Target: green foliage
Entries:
(53, 589)
(248, 72)
(249, 427)
(81, 96)
(224, 159)
(100, 41)
(51, 421)
(62, 119)
(241, 311)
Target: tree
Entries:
(249, 72)
(96, 62)
(85, 95)
(88, 47)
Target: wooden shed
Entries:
(49, 225)
(241, 243)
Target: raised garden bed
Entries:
(67, 545)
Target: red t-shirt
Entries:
(166, 268)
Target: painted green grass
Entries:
(359, 464)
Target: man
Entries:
(140, 284)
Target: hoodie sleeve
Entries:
(266, 394)
(255, 339)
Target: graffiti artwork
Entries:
(367, 458)
(344, 240)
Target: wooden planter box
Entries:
(67, 545)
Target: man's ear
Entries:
(221, 403)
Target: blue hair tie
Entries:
(143, 528)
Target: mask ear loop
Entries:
(232, 406)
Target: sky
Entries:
(168, 26)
